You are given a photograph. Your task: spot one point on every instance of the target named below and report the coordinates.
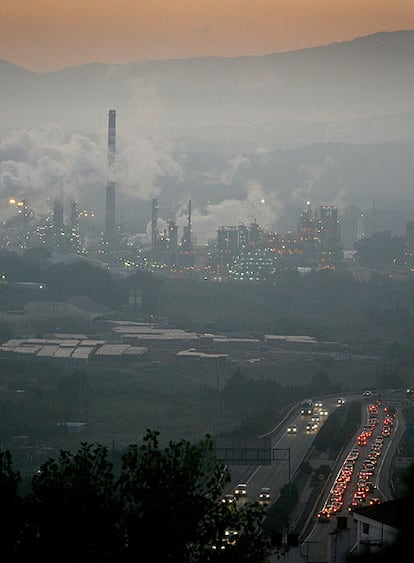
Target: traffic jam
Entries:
(359, 478)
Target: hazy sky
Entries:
(50, 34)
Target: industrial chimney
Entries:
(111, 185)
(111, 136)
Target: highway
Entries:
(290, 450)
(316, 538)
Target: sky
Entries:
(43, 35)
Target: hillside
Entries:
(360, 90)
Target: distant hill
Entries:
(354, 91)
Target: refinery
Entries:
(245, 252)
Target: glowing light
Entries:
(12, 201)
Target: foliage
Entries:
(277, 517)
(73, 392)
(73, 510)
(380, 248)
(163, 505)
(268, 395)
(78, 278)
(338, 428)
(321, 384)
(10, 505)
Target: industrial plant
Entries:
(244, 252)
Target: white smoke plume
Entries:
(146, 152)
(257, 205)
(37, 165)
(228, 175)
(313, 174)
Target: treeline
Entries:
(260, 403)
(325, 304)
(321, 303)
(153, 504)
(64, 280)
(338, 429)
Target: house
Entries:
(378, 525)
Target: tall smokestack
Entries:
(190, 227)
(111, 185)
(111, 136)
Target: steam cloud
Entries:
(257, 205)
(39, 165)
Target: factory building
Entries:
(328, 228)
(194, 358)
(72, 349)
(222, 344)
(300, 343)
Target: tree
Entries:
(321, 384)
(164, 505)
(10, 506)
(72, 512)
(74, 393)
(380, 248)
(173, 511)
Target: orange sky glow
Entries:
(49, 34)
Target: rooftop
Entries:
(390, 513)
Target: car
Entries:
(230, 538)
(292, 429)
(311, 426)
(315, 418)
(318, 404)
(228, 499)
(264, 496)
(375, 500)
(367, 464)
(306, 407)
(367, 393)
(323, 516)
(241, 490)
(340, 402)
(362, 486)
(323, 412)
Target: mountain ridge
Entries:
(355, 40)
(219, 97)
